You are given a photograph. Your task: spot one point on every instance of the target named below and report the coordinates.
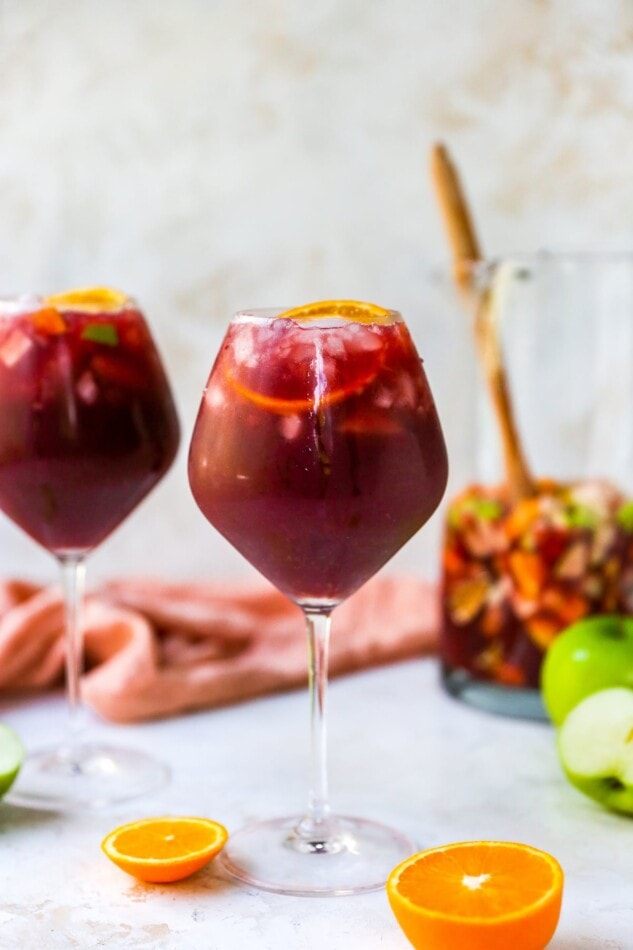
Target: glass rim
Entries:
(23, 304)
(268, 314)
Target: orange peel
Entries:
(356, 311)
(89, 300)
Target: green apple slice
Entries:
(11, 758)
(595, 744)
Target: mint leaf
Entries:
(105, 333)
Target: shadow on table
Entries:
(209, 880)
(14, 817)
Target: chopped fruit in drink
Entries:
(49, 321)
(164, 850)
(90, 300)
(565, 555)
(105, 333)
(480, 895)
(115, 371)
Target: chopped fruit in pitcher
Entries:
(517, 575)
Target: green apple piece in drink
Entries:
(595, 744)
(593, 654)
(11, 758)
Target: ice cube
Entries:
(335, 347)
(290, 426)
(87, 388)
(244, 348)
(384, 397)
(16, 345)
(363, 339)
(407, 392)
(214, 396)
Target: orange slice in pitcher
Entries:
(89, 300)
(354, 310)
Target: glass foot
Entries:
(84, 777)
(351, 856)
(514, 701)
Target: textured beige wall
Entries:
(213, 154)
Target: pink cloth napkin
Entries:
(155, 649)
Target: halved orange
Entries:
(478, 895)
(163, 850)
(90, 300)
(355, 310)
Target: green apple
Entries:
(594, 653)
(11, 758)
(595, 744)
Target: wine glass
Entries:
(87, 428)
(317, 452)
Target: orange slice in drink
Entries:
(354, 370)
(89, 300)
(354, 310)
(290, 407)
(163, 850)
(484, 895)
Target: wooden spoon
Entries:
(466, 253)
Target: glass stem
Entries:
(318, 630)
(73, 571)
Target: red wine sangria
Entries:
(317, 452)
(87, 429)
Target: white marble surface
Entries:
(401, 751)
(208, 156)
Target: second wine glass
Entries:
(87, 428)
(317, 452)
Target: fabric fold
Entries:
(156, 649)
